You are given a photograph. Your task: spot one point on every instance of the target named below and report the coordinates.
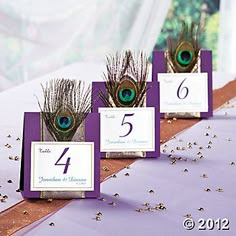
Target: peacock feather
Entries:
(183, 51)
(125, 80)
(66, 105)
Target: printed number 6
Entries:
(127, 123)
(180, 90)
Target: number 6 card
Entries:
(184, 95)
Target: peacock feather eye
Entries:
(184, 55)
(126, 92)
(66, 105)
(125, 80)
(183, 51)
(64, 120)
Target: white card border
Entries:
(152, 109)
(179, 75)
(32, 166)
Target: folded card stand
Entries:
(159, 65)
(148, 117)
(88, 174)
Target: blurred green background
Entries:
(205, 12)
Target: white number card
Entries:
(62, 166)
(183, 92)
(127, 129)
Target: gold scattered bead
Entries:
(116, 195)
(161, 141)
(206, 134)
(165, 146)
(208, 127)
(50, 200)
(207, 190)
(139, 210)
(178, 148)
(220, 190)
(114, 176)
(51, 224)
(127, 167)
(188, 216)
(214, 136)
(229, 139)
(209, 147)
(98, 218)
(186, 159)
(232, 163)
(102, 199)
(112, 203)
(174, 118)
(145, 204)
(173, 162)
(194, 160)
(151, 191)
(195, 143)
(204, 176)
(173, 137)
(199, 153)
(105, 168)
(16, 158)
(25, 212)
(200, 157)
(8, 136)
(127, 174)
(179, 158)
(170, 156)
(172, 151)
(160, 206)
(18, 139)
(210, 142)
(148, 209)
(201, 209)
(99, 213)
(164, 150)
(11, 157)
(200, 147)
(169, 121)
(185, 170)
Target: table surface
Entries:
(182, 192)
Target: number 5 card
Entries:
(127, 129)
(129, 132)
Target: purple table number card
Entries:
(60, 149)
(129, 109)
(184, 72)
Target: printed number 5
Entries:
(67, 161)
(127, 123)
(181, 90)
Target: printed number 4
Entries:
(181, 90)
(67, 161)
(127, 123)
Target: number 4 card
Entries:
(60, 170)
